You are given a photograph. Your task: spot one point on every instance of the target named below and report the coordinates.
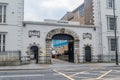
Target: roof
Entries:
(57, 24)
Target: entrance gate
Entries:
(62, 31)
(70, 41)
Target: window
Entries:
(2, 13)
(81, 11)
(109, 3)
(110, 22)
(2, 42)
(111, 44)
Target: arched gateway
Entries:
(63, 31)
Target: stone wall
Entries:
(10, 58)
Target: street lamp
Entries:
(115, 28)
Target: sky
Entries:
(38, 10)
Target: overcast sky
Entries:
(38, 10)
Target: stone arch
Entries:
(62, 31)
(33, 44)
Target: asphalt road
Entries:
(64, 73)
(30, 75)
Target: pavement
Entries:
(25, 67)
(55, 64)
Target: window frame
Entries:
(109, 28)
(81, 11)
(3, 41)
(109, 43)
(3, 13)
(108, 5)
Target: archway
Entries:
(63, 31)
(88, 54)
(64, 44)
(34, 53)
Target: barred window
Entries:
(2, 42)
(2, 13)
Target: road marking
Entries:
(81, 72)
(77, 73)
(32, 75)
(104, 74)
(64, 75)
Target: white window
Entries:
(2, 42)
(111, 44)
(109, 3)
(111, 22)
(2, 13)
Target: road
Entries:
(70, 72)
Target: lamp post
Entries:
(115, 28)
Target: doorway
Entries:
(87, 54)
(63, 44)
(71, 51)
(34, 53)
(74, 38)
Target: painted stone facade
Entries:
(50, 29)
(18, 36)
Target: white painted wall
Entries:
(15, 11)
(13, 25)
(100, 17)
(17, 34)
(44, 29)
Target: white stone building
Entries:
(99, 13)
(19, 38)
(104, 18)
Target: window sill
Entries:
(111, 31)
(3, 24)
(111, 52)
(109, 8)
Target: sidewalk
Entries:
(25, 67)
(55, 64)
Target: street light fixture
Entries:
(115, 28)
